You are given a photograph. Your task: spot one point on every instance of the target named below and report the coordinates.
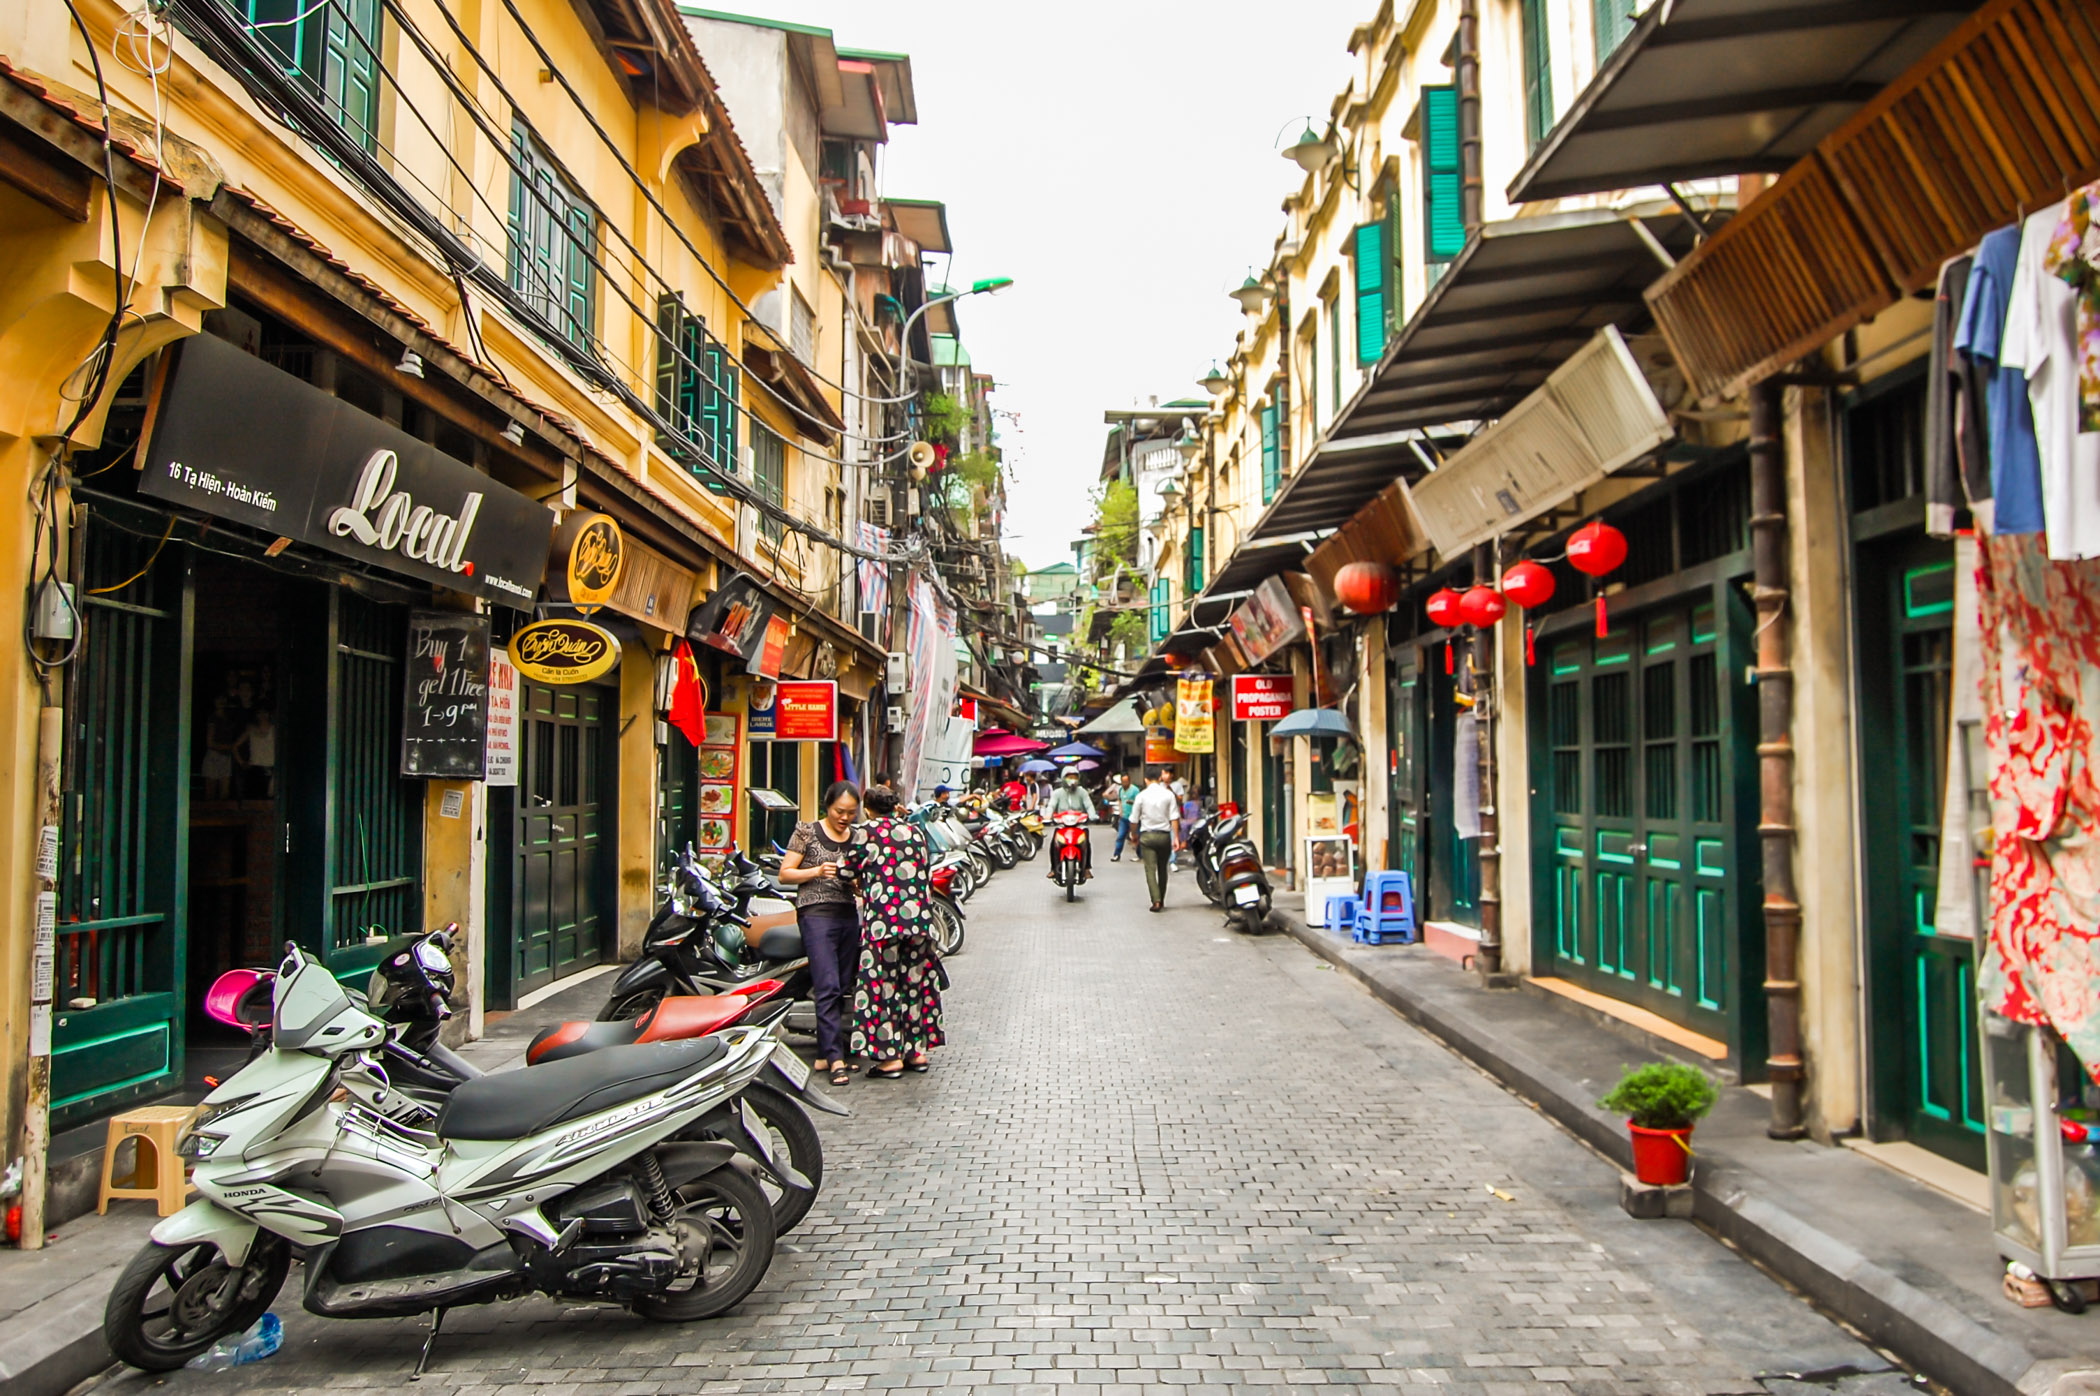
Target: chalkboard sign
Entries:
(445, 702)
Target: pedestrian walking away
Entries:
(1126, 793)
(1071, 797)
(817, 861)
(897, 1005)
(1158, 834)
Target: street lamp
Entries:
(1214, 382)
(1313, 153)
(977, 288)
(1169, 492)
(1188, 443)
(1251, 295)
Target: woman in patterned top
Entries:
(817, 860)
(897, 1008)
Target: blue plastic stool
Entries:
(1387, 912)
(1342, 911)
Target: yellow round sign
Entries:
(564, 651)
(589, 550)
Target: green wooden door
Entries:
(1403, 721)
(1642, 895)
(565, 848)
(677, 802)
(117, 1029)
(1449, 889)
(1928, 1082)
(1275, 799)
(375, 834)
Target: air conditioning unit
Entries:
(894, 721)
(1594, 415)
(896, 673)
(876, 510)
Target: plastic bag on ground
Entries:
(258, 1342)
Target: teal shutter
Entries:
(1538, 72)
(581, 321)
(1614, 21)
(1156, 628)
(1373, 267)
(718, 412)
(1192, 558)
(350, 69)
(1444, 233)
(1334, 352)
(1270, 462)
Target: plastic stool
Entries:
(155, 1127)
(1342, 909)
(1388, 910)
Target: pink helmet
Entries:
(228, 1001)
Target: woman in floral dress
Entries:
(897, 1008)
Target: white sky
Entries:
(1120, 162)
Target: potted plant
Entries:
(1661, 1102)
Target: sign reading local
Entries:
(1261, 697)
(564, 651)
(243, 440)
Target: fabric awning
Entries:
(998, 743)
(1121, 718)
(1722, 87)
(1522, 297)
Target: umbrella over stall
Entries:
(1037, 768)
(995, 741)
(1314, 722)
(1072, 751)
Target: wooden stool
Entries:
(155, 1128)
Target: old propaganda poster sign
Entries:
(564, 651)
(1261, 697)
(444, 722)
(243, 440)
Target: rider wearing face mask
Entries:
(1071, 797)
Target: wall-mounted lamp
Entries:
(515, 433)
(1214, 382)
(411, 364)
(1252, 295)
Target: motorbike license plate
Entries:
(761, 1140)
(793, 1067)
(1248, 895)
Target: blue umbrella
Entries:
(1037, 768)
(1071, 751)
(1314, 722)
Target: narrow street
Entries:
(1159, 1157)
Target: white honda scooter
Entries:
(554, 1179)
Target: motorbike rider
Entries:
(1071, 797)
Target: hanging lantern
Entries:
(1366, 588)
(1481, 606)
(1443, 607)
(1596, 548)
(1528, 584)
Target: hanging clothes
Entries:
(1955, 909)
(2012, 457)
(2074, 259)
(1945, 497)
(2040, 628)
(2041, 338)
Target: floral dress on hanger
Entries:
(897, 1007)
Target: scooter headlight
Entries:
(197, 1140)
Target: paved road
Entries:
(1160, 1157)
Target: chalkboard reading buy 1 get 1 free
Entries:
(445, 704)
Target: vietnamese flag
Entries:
(688, 695)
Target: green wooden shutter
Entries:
(580, 321)
(1192, 562)
(717, 431)
(350, 70)
(1614, 21)
(1444, 233)
(1271, 464)
(1373, 267)
(1538, 72)
(672, 375)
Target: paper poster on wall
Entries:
(1193, 730)
(502, 764)
(721, 760)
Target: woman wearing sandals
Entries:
(897, 1009)
(818, 853)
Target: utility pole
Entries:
(1480, 662)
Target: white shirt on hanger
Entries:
(2041, 340)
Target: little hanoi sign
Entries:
(242, 440)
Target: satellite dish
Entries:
(921, 457)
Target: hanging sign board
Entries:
(1266, 621)
(721, 759)
(1159, 746)
(444, 723)
(1261, 697)
(772, 649)
(733, 620)
(243, 440)
(760, 697)
(501, 766)
(1193, 730)
(589, 555)
(564, 651)
(806, 710)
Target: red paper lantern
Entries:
(1482, 606)
(1596, 548)
(1443, 607)
(1366, 588)
(1528, 584)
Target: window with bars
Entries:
(696, 393)
(553, 237)
(1538, 72)
(332, 49)
(1271, 456)
(769, 474)
(1159, 625)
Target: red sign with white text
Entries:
(1261, 697)
(806, 710)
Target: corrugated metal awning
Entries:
(1723, 87)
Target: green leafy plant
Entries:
(944, 417)
(1662, 1095)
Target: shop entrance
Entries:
(1404, 730)
(565, 817)
(1450, 887)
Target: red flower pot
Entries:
(1661, 1157)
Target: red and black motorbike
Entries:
(1068, 851)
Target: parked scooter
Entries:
(565, 1180)
(1068, 851)
(1242, 883)
(700, 941)
(947, 911)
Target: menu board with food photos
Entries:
(721, 752)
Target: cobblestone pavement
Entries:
(1161, 1157)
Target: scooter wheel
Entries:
(1072, 890)
(173, 1302)
(628, 1007)
(727, 1223)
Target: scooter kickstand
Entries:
(437, 1321)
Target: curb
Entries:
(1919, 1328)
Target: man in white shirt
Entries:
(1157, 815)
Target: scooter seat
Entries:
(574, 1038)
(518, 1104)
(692, 1015)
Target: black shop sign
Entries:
(239, 438)
(445, 698)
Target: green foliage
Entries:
(1116, 522)
(1128, 630)
(979, 469)
(1662, 1095)
(944, 417)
